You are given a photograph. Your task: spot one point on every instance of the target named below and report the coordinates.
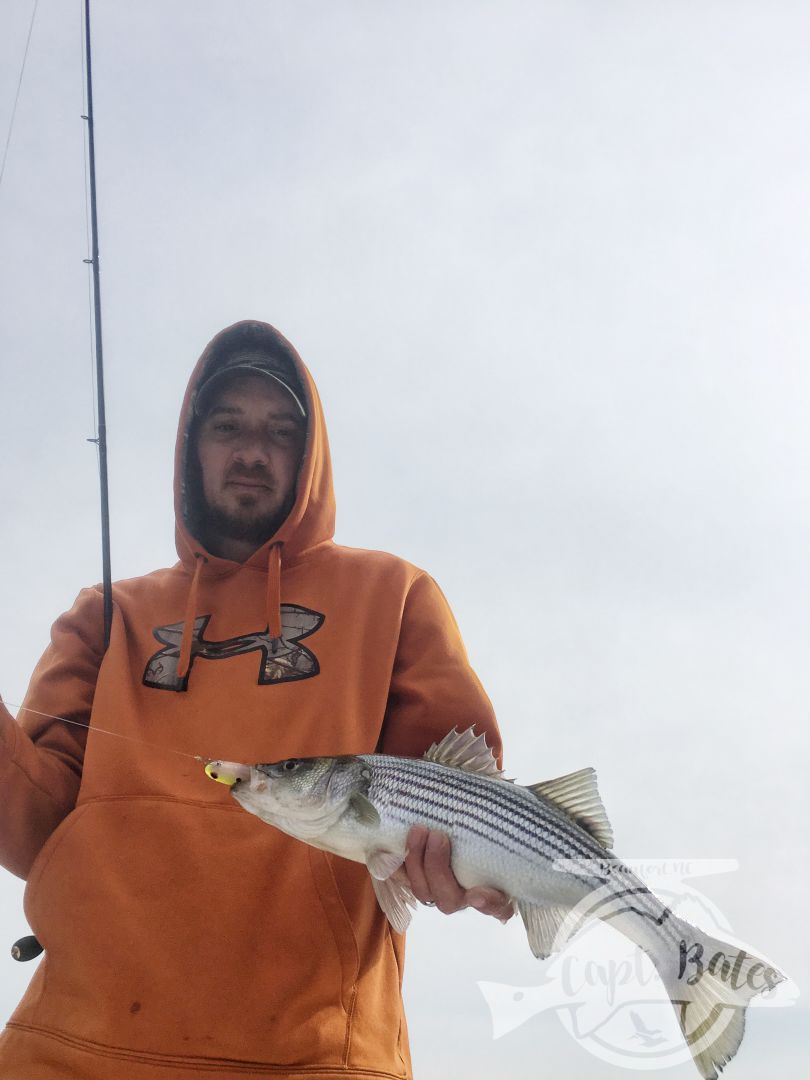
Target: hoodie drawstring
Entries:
(184, 662)
(273, 599)
(273, 606)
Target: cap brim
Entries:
(219, 377)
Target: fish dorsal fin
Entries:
(465, 751)
(577, 794)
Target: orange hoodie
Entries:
(181, 934)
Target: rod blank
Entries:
(102, 416)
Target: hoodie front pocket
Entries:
(186, 929)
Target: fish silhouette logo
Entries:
(605, 991)
(282, 659)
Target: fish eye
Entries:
(276, 769)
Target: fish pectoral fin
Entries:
(543, 925)
(364, 809)
(382, 864)
(396, 900)
(577, 794)
(465, 751)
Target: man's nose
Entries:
(252, 450)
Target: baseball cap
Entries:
(250, 360)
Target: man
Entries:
(182, 935)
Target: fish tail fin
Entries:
(710, 983)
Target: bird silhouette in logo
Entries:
(647, 1036)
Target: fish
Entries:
(547, 846)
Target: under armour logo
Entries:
(282, 659)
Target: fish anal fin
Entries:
(577, 794)
(396, 899)
(465, 750)
(543, 924)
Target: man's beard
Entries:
(211, 523)
(226, 525)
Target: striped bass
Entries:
(546, 846)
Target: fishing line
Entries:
(115, 734)
(19, 87)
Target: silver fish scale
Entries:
(510, 831)
(413, 787)
(513, 837)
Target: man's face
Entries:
(249, 447)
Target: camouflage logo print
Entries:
(282, 660)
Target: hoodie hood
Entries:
(311, 520)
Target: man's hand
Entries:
(433, 882)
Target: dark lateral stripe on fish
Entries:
(648, 905)
(638, 890)
(493, 826)
(520, 816)
(494, 835)
(469, 785)
(523, 826)
(499, 826)
(553, 821)
(515, 804)
(487, 809)
(470, 791)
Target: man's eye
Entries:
(284, 434)
(225, 426)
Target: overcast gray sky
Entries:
(548, 263)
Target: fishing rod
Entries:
(101, 428)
